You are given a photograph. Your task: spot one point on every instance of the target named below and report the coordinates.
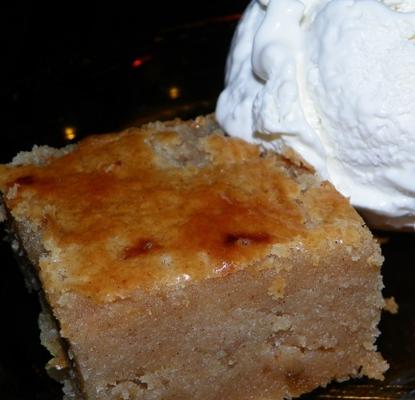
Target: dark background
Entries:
(70, 65)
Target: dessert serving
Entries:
(174, 262)
(334, 80)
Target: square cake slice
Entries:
(174, 262)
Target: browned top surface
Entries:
(134, 209)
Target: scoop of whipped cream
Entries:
(334, 80)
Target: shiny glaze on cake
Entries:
(130, 211)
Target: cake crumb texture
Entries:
(179, 263)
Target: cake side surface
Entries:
(235, 337)
(177, 230)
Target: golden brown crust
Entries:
(165, 204)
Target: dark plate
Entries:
(178, 72)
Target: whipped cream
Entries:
(334, 80)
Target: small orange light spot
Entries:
(69, 132)
(138, 62)
(174, 92)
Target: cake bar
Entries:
(174, 262)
